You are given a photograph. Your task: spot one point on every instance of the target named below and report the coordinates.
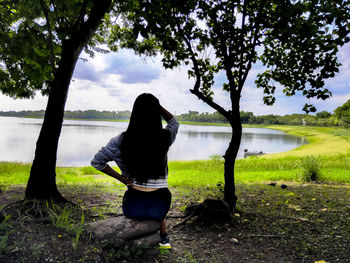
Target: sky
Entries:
(113, 81)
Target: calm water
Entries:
(80, 140)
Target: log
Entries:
(122, 230)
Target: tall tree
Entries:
(343, 113)
(40, 43)
(296, 40)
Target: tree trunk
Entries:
(42, 179)
(230, 159)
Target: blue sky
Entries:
(113, 81)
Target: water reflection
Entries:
(80, 140)
(205, 135)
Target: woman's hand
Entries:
(165, 114)
(113, 173)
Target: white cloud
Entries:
(10, 104)
(131, 68)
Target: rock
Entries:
(234, 240)
(248, 154)
(121, 230)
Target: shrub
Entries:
(310, 168)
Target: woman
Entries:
(141, 154)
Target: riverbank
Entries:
(302, 222)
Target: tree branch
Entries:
(195, 89)
(194, 61)
(253, 45)
(81, 14)
(88, 28)
(192, 56)
(240, 83)
(50, 41)
(211, 103)
(223, 48)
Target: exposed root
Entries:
(34, 209)
(209, 211)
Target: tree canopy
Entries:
(32, 35)
(343, 112)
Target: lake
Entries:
(80, 140)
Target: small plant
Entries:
(221, 186)
(131, 252)
(36, 250)
(216, 157)
(5, 230)
(310, 168)
(62, 220)
(79, 229)
(188, 258)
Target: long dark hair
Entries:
(145, 143)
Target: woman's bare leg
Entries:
(162, 227)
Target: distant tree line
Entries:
(293, 119)
(88, 114)
(26, 113)
(195, 116)
(321, 119)
(340, 117)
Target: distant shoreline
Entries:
(121, 120)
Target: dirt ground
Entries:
(298, 224)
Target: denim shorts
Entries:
(146, 205)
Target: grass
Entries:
(322, 140)
(61, 219)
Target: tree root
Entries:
(209, 211)
(34, 209)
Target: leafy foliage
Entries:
(25, 63)
(323, 114)
(32, 36)
(343, 112)
(301, 42)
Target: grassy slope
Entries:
(332, 145)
